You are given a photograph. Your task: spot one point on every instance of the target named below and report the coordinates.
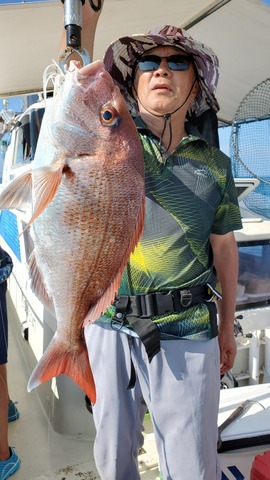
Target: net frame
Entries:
(250, 146)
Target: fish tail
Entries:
(57, 360)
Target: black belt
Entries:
(159, 303)
(132, 309)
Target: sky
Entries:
(15, 103)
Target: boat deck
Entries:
(44, 453)
(48, 455)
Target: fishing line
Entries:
(54, 74)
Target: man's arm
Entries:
(89, 24)
(226, 264)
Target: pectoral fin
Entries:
(45, 182)
(18, 193)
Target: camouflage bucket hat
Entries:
(123, 54)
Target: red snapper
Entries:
(86, 187)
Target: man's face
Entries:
(161, 91)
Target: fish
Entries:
(87, 194)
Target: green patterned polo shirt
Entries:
(189, 195)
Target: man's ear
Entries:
(195, 89)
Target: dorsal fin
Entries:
(109, 295)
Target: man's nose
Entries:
(163, 68)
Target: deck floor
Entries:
(45, 454)
(48, 455)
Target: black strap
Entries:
(132, 379)
(148, 333)
(145, 328)
(159, 303)
(212, 309)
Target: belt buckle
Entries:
(164, 302)
(185, 298)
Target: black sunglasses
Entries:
(175, 62)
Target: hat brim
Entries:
(123, 54)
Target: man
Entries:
(157, 347)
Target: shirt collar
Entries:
(193, 133)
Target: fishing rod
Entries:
(73, 27)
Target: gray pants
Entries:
(180, 388)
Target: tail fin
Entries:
(57, 360)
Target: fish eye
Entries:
(109, 116)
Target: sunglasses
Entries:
(175, 62)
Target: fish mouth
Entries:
(87, 75)
(92, 69)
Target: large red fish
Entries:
(87, 190)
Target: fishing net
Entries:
(250, 146)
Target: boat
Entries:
(55, 432)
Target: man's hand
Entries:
(228, 349)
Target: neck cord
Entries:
(167, 118)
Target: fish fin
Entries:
(105, 301)
(17, 193)
(58, 360)
(46, 181)
(138, 229)
(109, 295)
(37, 284)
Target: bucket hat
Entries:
(123, 54)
